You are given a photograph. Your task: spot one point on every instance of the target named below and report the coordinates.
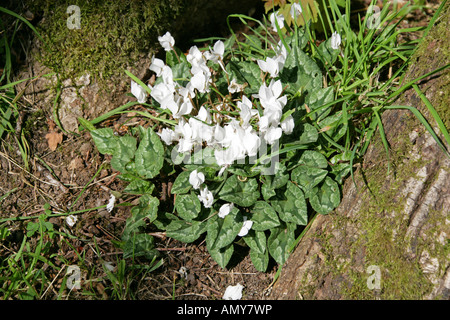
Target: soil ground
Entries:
(68, 180)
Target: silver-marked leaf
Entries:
(264, 217)
(308, 133)
(123, 153)
(293, 207)
(139, 186)
(243, 193)
(181, 184)
(256, 240)
(140, 245)
(187, 206)
(280, 241)
(300, 72)
(104, 140)
(316, 99)
(308, 177)
(223, 231)
(223, 255)
(326, 197)
(149, 155)
(260, 260)
(186, 231)
(145, 212)
(313, 159)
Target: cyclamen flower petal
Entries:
(296, 10)
(217, 52)
(71, 220)
(272, 66)
(245, 227)
(246, 111)
(194, 56)
(167, 41)
(111, 203)
(225, 210)
(200, 82)
(167, 136)
(196, 179)
(279, 18)
(287, 125)
(206, 197)
(157, 66)
(251, 142)
(138, 92)
(335, 41)
(273, 134)
(233, 292)
(204, 115)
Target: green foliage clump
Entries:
(112, 34)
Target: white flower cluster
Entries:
(233, 139)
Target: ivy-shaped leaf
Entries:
(140, 245)
(326, 197)
(264, 217)
(243, 193)
(145, 211)
(223, 255)
(308, 177)
(280, 241)
(139, 186)
(149, 155)
(259, 254)
(222, 231)
(186, 231)
(318, 98)
(104, 140)
(187, 206)
(123, 153)
(181, 184)
(313, 159)
(300, 72)
(293, 208)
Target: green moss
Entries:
(112, 34)
(437, 38)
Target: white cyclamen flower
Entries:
(225, 210)
(71, 220)
(245, 227)
(335, 40)
(272, 66)
(296, 10)
(138, 92)
(111, 203)
(216, 53)
(279, 20)
(157, 66)
(287, 125)
(167, 41)
(167, 135)
(246, 111)
(206, 197)
(233, 292)
(196, 179)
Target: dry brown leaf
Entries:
(53, 139)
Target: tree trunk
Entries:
(389, 238)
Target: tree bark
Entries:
(389, 238)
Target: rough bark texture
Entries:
(396, 223)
